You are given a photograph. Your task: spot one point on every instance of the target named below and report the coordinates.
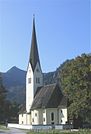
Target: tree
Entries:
(8, 110)
(75, 76)
(2, 100)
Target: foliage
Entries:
(2, 92)
(8, 110)
(2, 99)
(3, 127)
(75, 77)
(61, 132)
(11, 113)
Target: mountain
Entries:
(14, 81)
(14, 77)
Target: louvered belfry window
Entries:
(29, 80)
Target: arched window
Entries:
(37, 80)
(44, 119)
(52, 116)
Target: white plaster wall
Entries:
(38, 120)
(29, 88)
(28, 119)
(40, 116)
(44, 117)
(20, 126)
(25, 119)
(59, 115)
(37, 117)
(63, 116)
(34, 117)
(38, 74)
(48, 115)
(22, 118)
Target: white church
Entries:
(45, 104)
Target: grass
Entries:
(62, 132)
(2, 127)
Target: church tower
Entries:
(34, 76)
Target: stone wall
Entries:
(40, 127)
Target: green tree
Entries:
(8, 110)
(14, 110)
(75, 76)
(2, 100)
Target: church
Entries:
(45, 104)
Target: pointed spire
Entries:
(34, 56)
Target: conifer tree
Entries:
(2, 100)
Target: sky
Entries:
(62, 29)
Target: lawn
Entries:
(62, 132)
(2, 127)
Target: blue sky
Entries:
(62, 28)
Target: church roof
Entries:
(49, 96)
(22, 109)
(34, 56)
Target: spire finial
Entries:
(34, 20)
(33, 15)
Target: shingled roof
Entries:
(49, 96)
(34, 56)
(22, 109)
